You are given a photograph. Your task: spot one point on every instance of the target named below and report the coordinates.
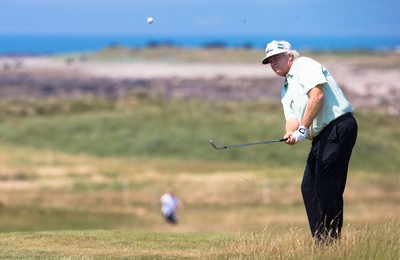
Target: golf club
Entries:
(248, 144)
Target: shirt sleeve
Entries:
(311, 74)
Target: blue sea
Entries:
(57, 44)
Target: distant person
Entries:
(169, 206)
(315, 108)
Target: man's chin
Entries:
(280, 73)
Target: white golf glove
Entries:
(300, 134)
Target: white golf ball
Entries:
(150, 20)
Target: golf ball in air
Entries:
(150, 20)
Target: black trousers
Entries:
(325, 177)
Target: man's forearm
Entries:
(292, 124)
(313, 107)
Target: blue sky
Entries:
(202, 17)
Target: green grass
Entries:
(109, 245)
(180, 129)
(172, 55)
(33, 218)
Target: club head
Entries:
(213, 145)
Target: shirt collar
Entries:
(286, 83)
(291, 71)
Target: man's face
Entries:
(281, 63)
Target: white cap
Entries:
(274, 48)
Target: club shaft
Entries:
(247, 144)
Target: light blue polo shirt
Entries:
(304, 75)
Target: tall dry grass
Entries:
(379, 241)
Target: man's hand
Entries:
(290, 138)
(297, 136)
(300, 134)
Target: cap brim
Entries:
(265, 61)
(273, 53)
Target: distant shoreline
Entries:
(14, 44)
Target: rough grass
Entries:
(379, 241)
(180, 129)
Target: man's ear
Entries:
(291, 56)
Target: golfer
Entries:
(169, 206)
(315, 108)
